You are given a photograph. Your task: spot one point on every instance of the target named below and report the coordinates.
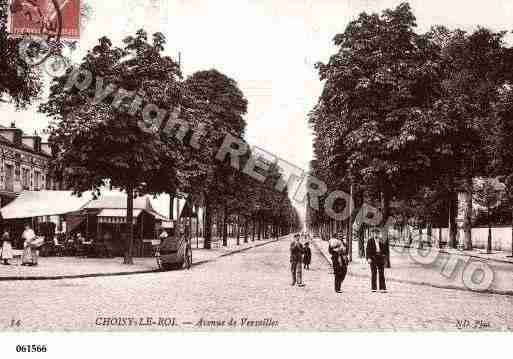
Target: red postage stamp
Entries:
(46, 18)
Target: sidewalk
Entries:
(405, 269)
(73, 267)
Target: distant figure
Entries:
(296, 256)
(377, 252)
(338, 251)
(307, 258)
(30, 255)
(7, 252)
(80, 239)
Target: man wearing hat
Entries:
(338, 251)
(376, 254)
(296, 259)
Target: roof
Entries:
(119, 201)
(48, 203)
(44, 203)
(117, 212)
(158, 216)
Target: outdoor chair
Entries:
(101, 250)
(70, 249)
(84, 250)
(216, 242)
(58, 248)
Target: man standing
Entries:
(376, 254)
(338, 251)
(296, 256)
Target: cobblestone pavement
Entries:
(75, 266)
(254, 284)
(405, 268)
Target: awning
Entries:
(158, 216)
(44, 203)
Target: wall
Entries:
(501, 237)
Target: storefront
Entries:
(100, 220)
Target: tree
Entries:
(99, 138)
(488, 193)
(223, 106)
(402, 112)
(473, 68)
(377, 85)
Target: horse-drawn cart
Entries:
(174, 252)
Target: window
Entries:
(37, 180)
(25, 178)
(9, 178)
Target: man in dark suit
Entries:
(296, 258)
(376, 254)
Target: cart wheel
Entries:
(158, 259)
(188, 258)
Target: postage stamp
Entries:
(45, 18)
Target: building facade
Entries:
(24, 164)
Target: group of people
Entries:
(30, 244)
(300, 255)
(376, 254)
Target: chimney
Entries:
(33, 142)
(46, 148)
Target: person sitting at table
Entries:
(83, 245)
(163, 235)
(80, 239)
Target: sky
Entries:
(268, 46)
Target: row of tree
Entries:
(98, 138)
(408, 120)
(98, 132)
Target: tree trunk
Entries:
(489, 241)
(172, 205)
(361, 241)
(350, 224)
(385, 205)
(129, 225)
(246, 227)
(430, 234)
(207, 226)
(440, 237)
(225, 226)
(467, 224)
(238, 230)
(452, 220)
(253, 230)
(259, 230)
(420, 237)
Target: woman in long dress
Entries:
(29, 254)
(7, 252)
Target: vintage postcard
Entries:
(255, 166)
